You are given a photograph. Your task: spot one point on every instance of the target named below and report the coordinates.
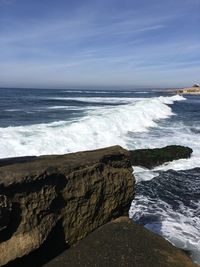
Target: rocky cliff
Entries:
(74, 193)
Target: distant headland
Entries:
(194, 90)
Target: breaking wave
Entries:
(98, 128)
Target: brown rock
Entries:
(122, 243)
(74, 194)
(5, 213)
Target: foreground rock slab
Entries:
(150, 158)
(122, 244)
(70, 195)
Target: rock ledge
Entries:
(74, 194)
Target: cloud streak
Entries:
(90, 42)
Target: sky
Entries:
(104, 43)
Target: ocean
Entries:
(48, 121)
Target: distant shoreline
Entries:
(189, 91)
(186, 91)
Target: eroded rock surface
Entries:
(76, 193)
(5, 212)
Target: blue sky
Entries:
(89, 43)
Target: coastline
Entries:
(189, 91)
(44, 172)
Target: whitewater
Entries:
(167, 202)
(105, 126)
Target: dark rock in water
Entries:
(122, 243)
(63, 197)
(150, 158)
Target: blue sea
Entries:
(48, 121)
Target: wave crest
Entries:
(99, 128)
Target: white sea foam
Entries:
(170, 100)
(99, 128)
(100, 92)
(181, 164)
(12, 109)
(141, 92)
(70, 108)
(181, 228)
(107, 126)
(143, 174)
(112, 100)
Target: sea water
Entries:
(42, 121)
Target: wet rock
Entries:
(150, 158)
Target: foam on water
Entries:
(169, 205)
(100, 92)
(70, 108)
(118, 100)
(132, 123)
(180, 228)
(181, 164)
(99, 128)
(170, 100)
(114, 100)
(12, 110)
(143, 174)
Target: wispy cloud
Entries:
(77, 29)
(89, 43)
